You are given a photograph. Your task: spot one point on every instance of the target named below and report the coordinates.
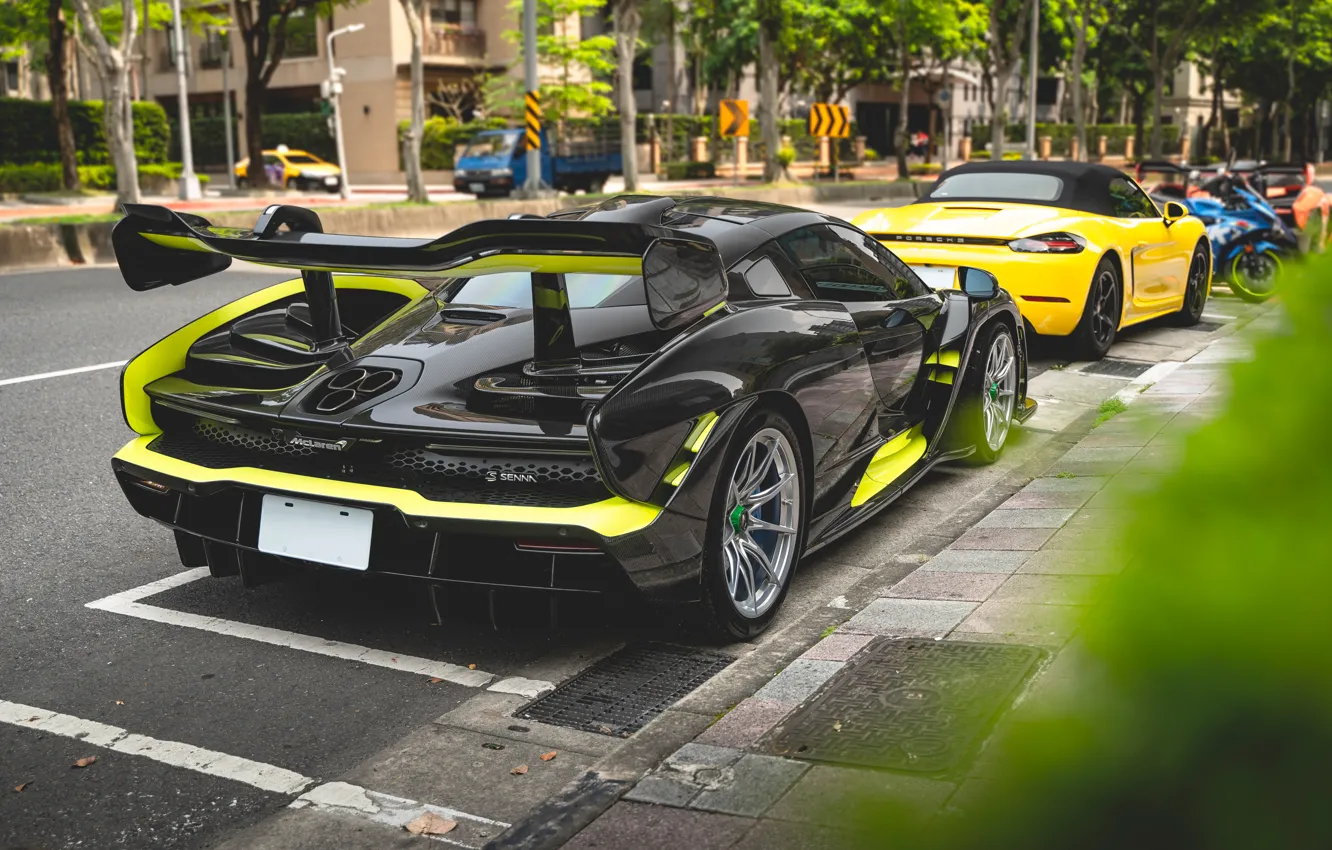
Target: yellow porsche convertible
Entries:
(1083, 250)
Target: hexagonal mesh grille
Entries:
(478, 469)
(245, 439)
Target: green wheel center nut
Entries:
(738, 518)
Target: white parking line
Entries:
(265, 777)
(127, 603)
(41, 376)
(341, 797)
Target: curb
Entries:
(37, 246)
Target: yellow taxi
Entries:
(294, 169)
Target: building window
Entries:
(11, 77)
(302, 34)
(212, 49)
(457, 13)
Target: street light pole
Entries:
(533, 183)
(335, 95)
(226, 112)
(1031, 79)
(189, 181)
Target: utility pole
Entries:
(1031, 79)
(533, 184)
(189, 181)
(335, 96)
(226, 111)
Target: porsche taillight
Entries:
(1049, 243)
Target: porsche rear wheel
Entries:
(756, 530)
(1197, 289)
(989, 395)
(1095, 332)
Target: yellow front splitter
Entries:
(609, 518)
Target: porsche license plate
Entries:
(476, 188)
(936, 277)
(330, 181)
(316, 531)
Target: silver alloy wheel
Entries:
(999, 391)
(762, 518)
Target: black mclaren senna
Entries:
(675, 396)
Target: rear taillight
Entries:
(1049, 243)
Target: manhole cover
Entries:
(1117, 368)
(906, 704)
(621, 693)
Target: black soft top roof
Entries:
(1086, 185)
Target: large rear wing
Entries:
(682, 272)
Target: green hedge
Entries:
(29, 132)
(1060, 134)
(442, 136)
(306, 131)
(690, 170)
(45, 177)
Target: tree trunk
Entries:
(768, 94)
(999, 115)
(57, 73)
(1079, 107)
(112, 64)
(1286, 105)
(1139, 121)
(903, 131)
(1214, 117)
(627, 22)
(255, 173)
(1158, 90)
(411, 142)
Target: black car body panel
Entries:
(486, 458)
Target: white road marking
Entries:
(61, 373)
(127, 603)
(265, 777)
(389, 810)
(331, 796)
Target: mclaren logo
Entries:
(304, 442)
(496, 475)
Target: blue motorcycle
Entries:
(1250, 243)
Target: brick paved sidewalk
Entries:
(1023, 575)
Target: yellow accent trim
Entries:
(551, 263)
(238, 358)
(180, 243)
(892, 459)
(702, 428)
(714, 309)
(945, 358)
(940, 377)
(168, 354)
(677, 474)
(610, 517)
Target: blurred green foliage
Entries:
(1202, 717)
(29, 132)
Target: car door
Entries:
(1159, 264)
(891, 307)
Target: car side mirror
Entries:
(978, 284)
(1174, 212)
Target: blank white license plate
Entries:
(316, 531)
(477, 188)
(936, 277)
(330, 181)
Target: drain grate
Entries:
(621, 693)
(1117, 368)
(906, 705)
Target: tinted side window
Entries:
(1128, 201)
(903, 282)
(833, 269)
(766, 281)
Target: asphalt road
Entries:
(69, 538)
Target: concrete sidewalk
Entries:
(1021, 577)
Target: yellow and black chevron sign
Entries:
(534, 120)
(734, 118)
(828, 119)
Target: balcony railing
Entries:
(450, 40)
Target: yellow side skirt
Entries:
(891, 460)
(609, 518)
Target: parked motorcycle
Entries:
(1250, 242)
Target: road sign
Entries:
(828, 119)
(734, 118)
(533, 100)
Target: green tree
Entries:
(1162, 33)
(1006, 32)
(25, 24)
(573, 70)
(628, 20)
(111, 53)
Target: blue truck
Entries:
(494, 163)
